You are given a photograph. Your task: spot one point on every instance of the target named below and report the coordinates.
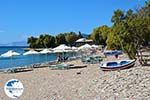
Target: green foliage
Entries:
(60, 39)
(71, 37)
(99, 34)
(49, 41)
(80, 35)
(130, 30)
(118, 16)
(44, 41)
(147, 3)
(32, 41)
(105, 30)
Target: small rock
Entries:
(95, 80)
(76, 90)
(117, 94)
(79, 72)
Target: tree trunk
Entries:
(139, 57)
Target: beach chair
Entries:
(77, 66)
(59, 66)
(18, 69)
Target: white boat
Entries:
(117, 65)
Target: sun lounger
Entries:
(91, 59)
(77, 66)
(66, 66)
(18, 69)
(59, 66)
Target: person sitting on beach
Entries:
(59, 58)
(66, 58)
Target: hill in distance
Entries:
(19, 43)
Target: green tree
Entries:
(116, 36)
(118, 16)
(40, 41)
(44, 41)
(49, 41)
(80, 35)
(99, 34)
(96, 36)
(129, 31)
(32, 42)
(60, 39)
(71, 38)
(105, 30)
(147, 3)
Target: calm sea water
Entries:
(17, 61)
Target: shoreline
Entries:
(36, 65)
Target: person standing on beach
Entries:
(116, 56)
(59, 58)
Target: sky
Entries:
(20, 19)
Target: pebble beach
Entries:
(90, 83)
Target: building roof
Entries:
(84, 40)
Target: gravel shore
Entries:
(88, 83)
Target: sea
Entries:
(22, 60)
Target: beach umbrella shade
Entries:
(74, 48)
(81, 40)
(59, 51)
(45, 51)
(62, 49)
(95, 46)
(86, 46)
(31, 52)
(10, 53)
